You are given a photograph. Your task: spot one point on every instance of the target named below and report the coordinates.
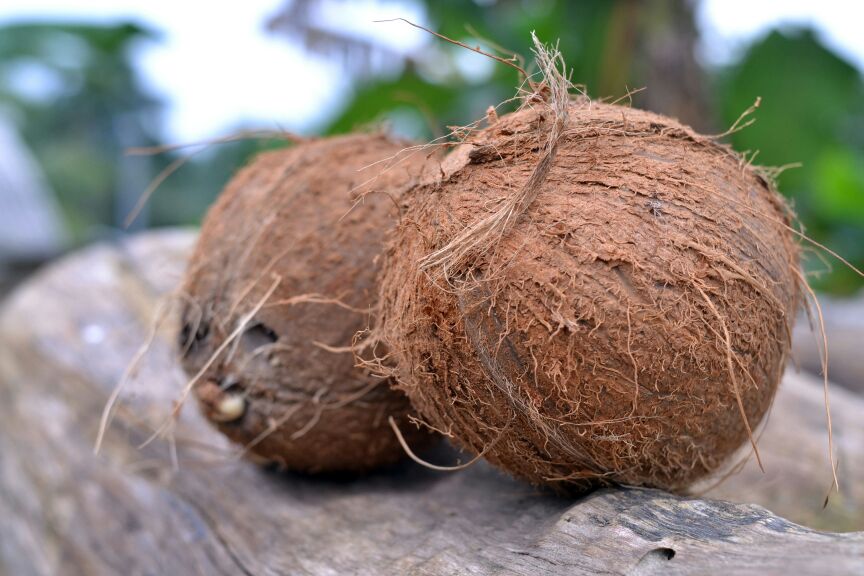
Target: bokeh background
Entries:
(83, 83)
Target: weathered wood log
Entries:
(844, 327)
(794, 449)
(66, 338)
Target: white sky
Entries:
(217, 67)
(727, 25)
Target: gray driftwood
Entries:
(794, 449)
(844, 326)
(67, 336)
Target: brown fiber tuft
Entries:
(626, 326)
(306, 225)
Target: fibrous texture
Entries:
(629, 325)
(283, 276)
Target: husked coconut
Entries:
(284, 274)
(592, 294)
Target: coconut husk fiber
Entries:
(283, 276)
(629, 323)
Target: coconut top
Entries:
(664, 168)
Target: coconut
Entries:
(592, 294)
(283, 276)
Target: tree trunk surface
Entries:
(192, 507)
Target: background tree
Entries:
(75, 95)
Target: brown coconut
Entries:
(629, 324)
(283, 276)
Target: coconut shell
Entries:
(308, 223)
(608, 333)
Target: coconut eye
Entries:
(259, 335)
(192, 333)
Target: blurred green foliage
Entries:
(606, 45)
(74, 94)
(812, 108)
(438, 94)
(812, 112)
